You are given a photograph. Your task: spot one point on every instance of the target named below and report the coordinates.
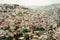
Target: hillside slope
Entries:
(14, 18)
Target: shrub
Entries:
(16, 26)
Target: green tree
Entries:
(6, 27)
(25, 30)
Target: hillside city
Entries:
(23, 23)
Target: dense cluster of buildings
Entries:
(20, 23)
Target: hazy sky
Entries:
(30, 2)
